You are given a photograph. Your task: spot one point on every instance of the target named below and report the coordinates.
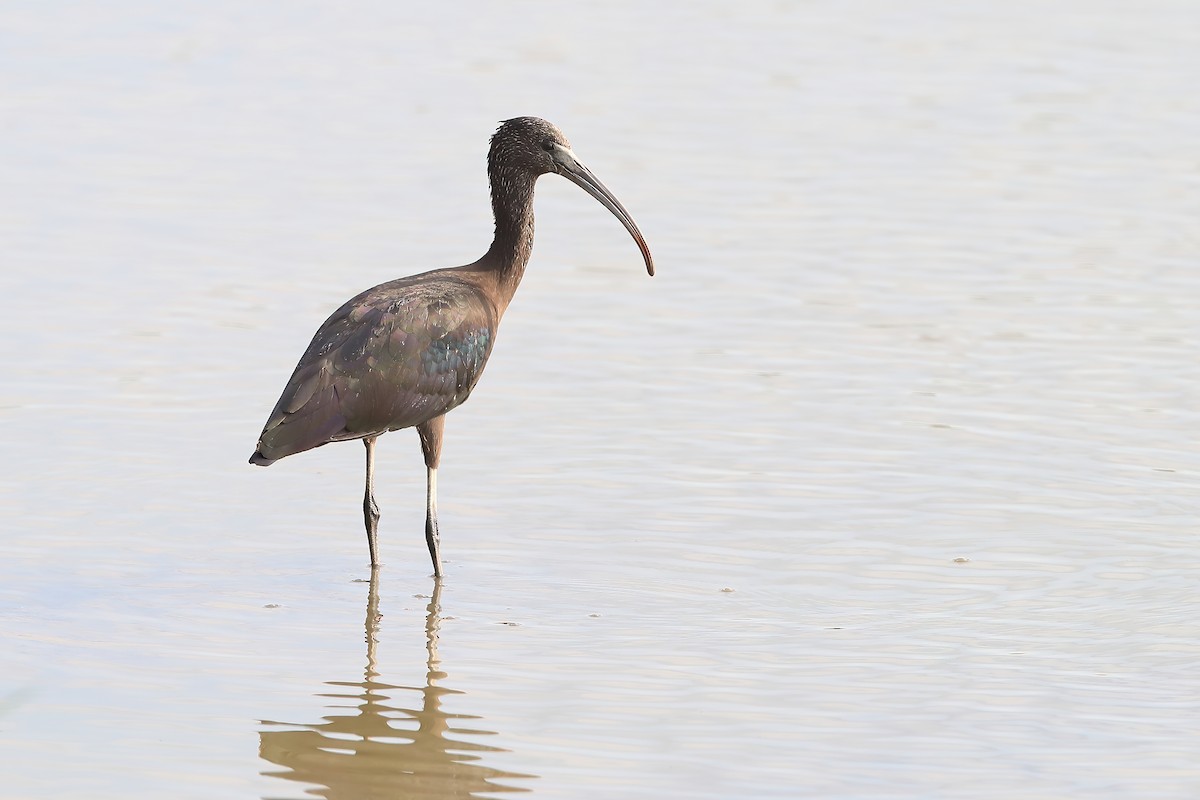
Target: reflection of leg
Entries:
(433, 622)
(372, 623)
(431, 446)
(370, 507)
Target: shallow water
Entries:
(884, 486)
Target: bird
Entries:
(405, 353)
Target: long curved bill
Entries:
(582, 177)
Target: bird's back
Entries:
(395, 356)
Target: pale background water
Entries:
(917, 381)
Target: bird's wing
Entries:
(395, 356)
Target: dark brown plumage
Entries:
(406, 352)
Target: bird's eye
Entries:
(547, 145)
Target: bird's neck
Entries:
(512, 204)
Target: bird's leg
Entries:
(431, 446)
(370, 507)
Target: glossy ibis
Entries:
(404, 353)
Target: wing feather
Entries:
(392, 357)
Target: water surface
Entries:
(884, 486)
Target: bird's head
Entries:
(529, 144)
(536, 147)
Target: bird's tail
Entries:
(261, 460)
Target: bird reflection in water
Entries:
(369, 749)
